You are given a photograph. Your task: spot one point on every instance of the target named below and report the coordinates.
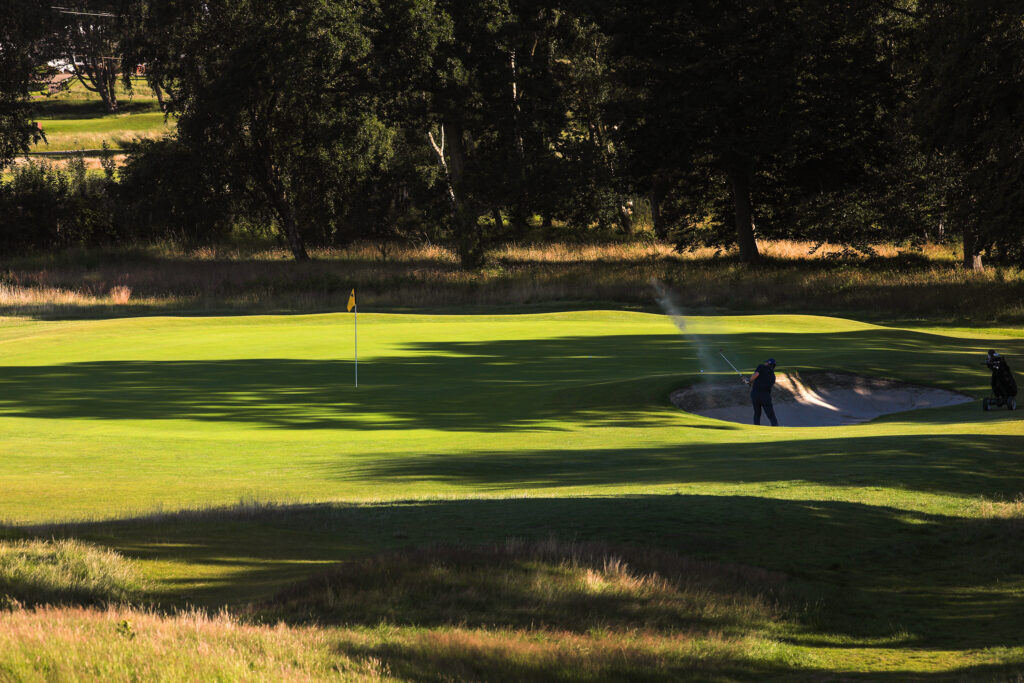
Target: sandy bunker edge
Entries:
(815, 399)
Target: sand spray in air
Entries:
(670, 304)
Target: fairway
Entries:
(135, 415)
(482, 428)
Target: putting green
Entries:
(102, 418)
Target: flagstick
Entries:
(355, 318)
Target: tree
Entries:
(471, 107)
(89, 37)
(970, 108)
(19, 73)
(751, 93)
(591, 161)
(293, 97)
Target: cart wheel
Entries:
(985, 405)
(1011, 403)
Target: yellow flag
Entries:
(352, 300)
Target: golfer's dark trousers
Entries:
(763, 399)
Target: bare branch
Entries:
(439, 151)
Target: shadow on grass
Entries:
(957, 464)
(474, 661)
(89, 109)
(546, 657)
(864, 572)
(614, 380)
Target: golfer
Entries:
(761, 383)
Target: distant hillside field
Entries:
(75, 119)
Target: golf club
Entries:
(731, 365)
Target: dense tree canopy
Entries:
(762, 95)
(729, 120)
(971, 110)
(20, 69)
(291, 97)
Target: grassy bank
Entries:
(545, 611)
(902, 284)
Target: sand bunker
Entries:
(820, 399)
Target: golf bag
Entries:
(1004, 386)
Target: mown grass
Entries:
(894, 284)
(116, 131)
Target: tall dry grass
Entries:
(570, 587)
(515, 611)
(65, 572)
(922, 283)
(75, 644)
(118, 644)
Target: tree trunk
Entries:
(468, 237)
(740, 181)
(98, 79)
(657, 195)
(278, 196)
(291, 226)
(159, 92)
(520, 216)
(499, 223)
(972, 254)
(110, 90)
(625, 219)
(520, 206)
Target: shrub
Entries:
(47, 207)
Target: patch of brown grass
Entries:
(120, 295)
(901, 283)
(120, 645)
(51, 644)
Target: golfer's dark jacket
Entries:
(765, 380)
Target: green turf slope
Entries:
(134, 414)
(477, 428)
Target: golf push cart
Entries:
(1004, 387)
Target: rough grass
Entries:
(893, 284)
(515, 611)
(65, 572)
(119, 644)
(574, 587)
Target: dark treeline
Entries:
(470, 121)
